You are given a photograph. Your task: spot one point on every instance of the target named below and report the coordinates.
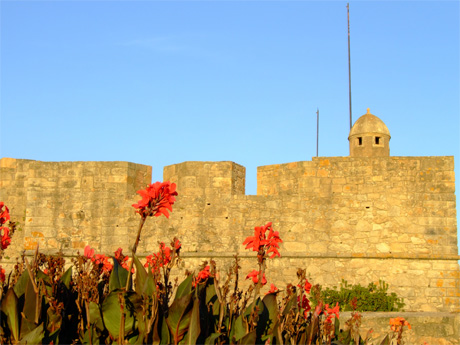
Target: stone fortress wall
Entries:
(362, 218)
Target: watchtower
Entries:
(369, 137)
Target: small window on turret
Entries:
(360, 141)
(377, 141)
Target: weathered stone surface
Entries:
(357, 218)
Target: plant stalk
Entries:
(136, 243)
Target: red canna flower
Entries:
(4, 214)
(2, 274)
(307, 286)
(6, 239)
(89, 252)
(102, 260)
(273, 289)
(398, 323)
(261, 242)
(331, 312)
(163, 257)
(202, 275)
(122, 259)
(254, 275)
(157, 199)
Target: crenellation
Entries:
(359, 218)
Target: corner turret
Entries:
(369, 137)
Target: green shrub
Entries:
(371, 298)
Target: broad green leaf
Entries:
(35, 336)
(10, 308)
(210, 340)
(94, 336)
(29, 311)
(271, 306)
(185, 288)
(53, 337)
(336, 327)
(259, 304)
(149, 286)
(21, 284)
(290, 304)
(54, 320)
(238, 330)
(42, 275)
(67, 277)
(194, 326)
(141, 275)
(165, 334)
(249, 339)
(95, 315)
(216, 308)
(385, 341)
(118, 276)
(211, 295)
(179, 316)
(111, 313)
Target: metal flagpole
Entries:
(317, 131)
(349, 64)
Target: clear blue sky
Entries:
(159, 83)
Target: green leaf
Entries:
(141, 275)
(290, 304)
(210, 340)
(95, 315)
(179, 317)
(42, 275)
(111, 313)
(249, 339)
(185, 288)
(10, 308)
(258, 303)
(238, 330)
(216, 308)
(165, 334)
(385, 340)
(271, 305)
(35, 336)
(54, 320)
(94, 336)
(67, 277)
(118, 276)
(21, 284)
(29, 310)
(211, 295)
(194, 326)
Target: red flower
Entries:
(307, 286)
(177, 245)
(398, 323)
(254, 275)
(89, 252)
(163, 257)
(331, 312)
(157, 199)
(101, 259)
(122, 259)
(202, 275)
(6, 239)
(273, 289)
(2, 274)
(261, 242)
(4, 214)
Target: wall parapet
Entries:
(359, 219)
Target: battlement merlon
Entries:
(209, 179)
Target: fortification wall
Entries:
(359, 219)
